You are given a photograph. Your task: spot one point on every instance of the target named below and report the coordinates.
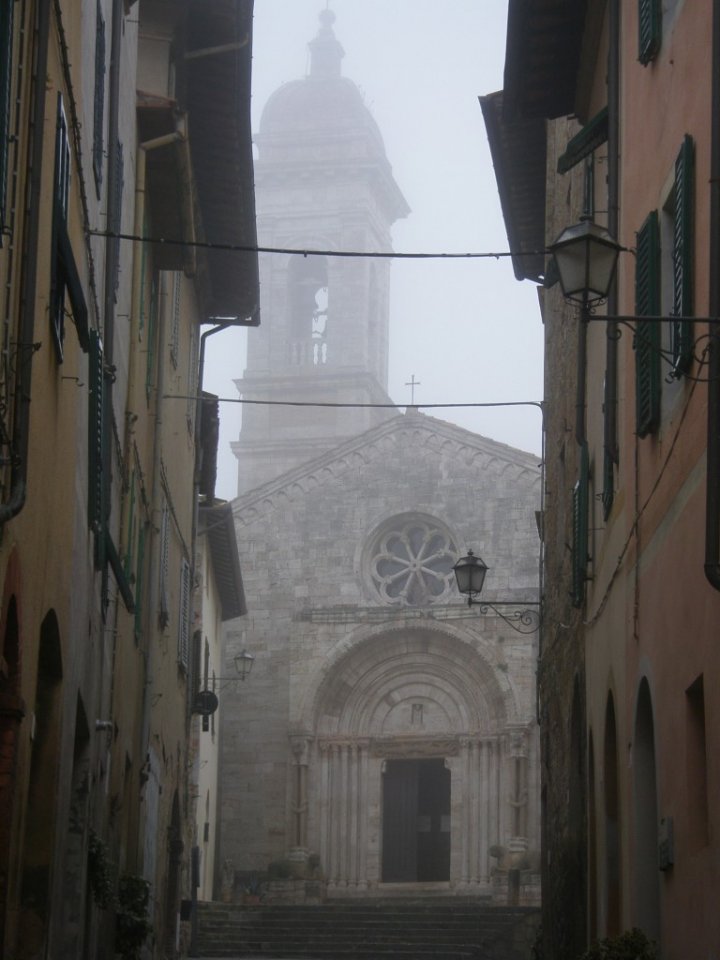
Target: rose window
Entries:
(412, 565)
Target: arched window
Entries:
(308, 311)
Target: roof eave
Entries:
(218, 525)
(219, 59)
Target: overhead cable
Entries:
(311, 252)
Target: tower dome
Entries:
(324, 103)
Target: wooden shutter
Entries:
(139, 582)
(95, 432)
(647, 335)
(683, 260)
(61, 192)
(580, 518)
(99, 99)
(6, 38)
(649, 30)
(164, 611)
(184, 624)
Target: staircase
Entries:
(368, 930)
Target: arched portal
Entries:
(415, 727)
(40, 816)
(12, 711)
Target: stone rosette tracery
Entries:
(411, 561)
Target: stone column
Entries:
(518, 797)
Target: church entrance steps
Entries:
(368, 930)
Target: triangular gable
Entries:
(409, 431)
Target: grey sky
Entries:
(467, 330)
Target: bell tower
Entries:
(323, 183)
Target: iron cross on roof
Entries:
(412, 383)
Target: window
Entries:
(580, 518)
(99, 99)
(64, 277)
(308, 311)
(6, 37)
(647, 334)
(649, 30)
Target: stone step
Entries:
(366, 930)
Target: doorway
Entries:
(416, 821)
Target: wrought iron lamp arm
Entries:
(522, 621)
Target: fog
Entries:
(466, 330)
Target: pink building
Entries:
(610, 110)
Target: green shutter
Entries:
(61, 194)
(6, 37)
(130, 554)
(649, 30)
(647, 335)
(139, 583)
(580, 512)
(99, 98)
(95, 432)
(151, 334)
(683, 261)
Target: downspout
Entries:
(28, 286)
(712, 512)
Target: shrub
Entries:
(631, 945)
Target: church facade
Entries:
(387, 739)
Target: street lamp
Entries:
(206, 701)
(470, 576)
(586, 256)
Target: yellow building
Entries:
(609, 115)
(121, 124)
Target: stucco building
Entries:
(628, 709)
(107, 145)
(387, 740)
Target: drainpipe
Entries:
(712, 514)
(28, 284)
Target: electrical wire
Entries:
(357, 406)
(311, 252)
(635, 525)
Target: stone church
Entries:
(386, 740)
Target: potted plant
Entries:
(252, 891)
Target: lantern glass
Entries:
(470, 574)
(586, 257)
(244, 663)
